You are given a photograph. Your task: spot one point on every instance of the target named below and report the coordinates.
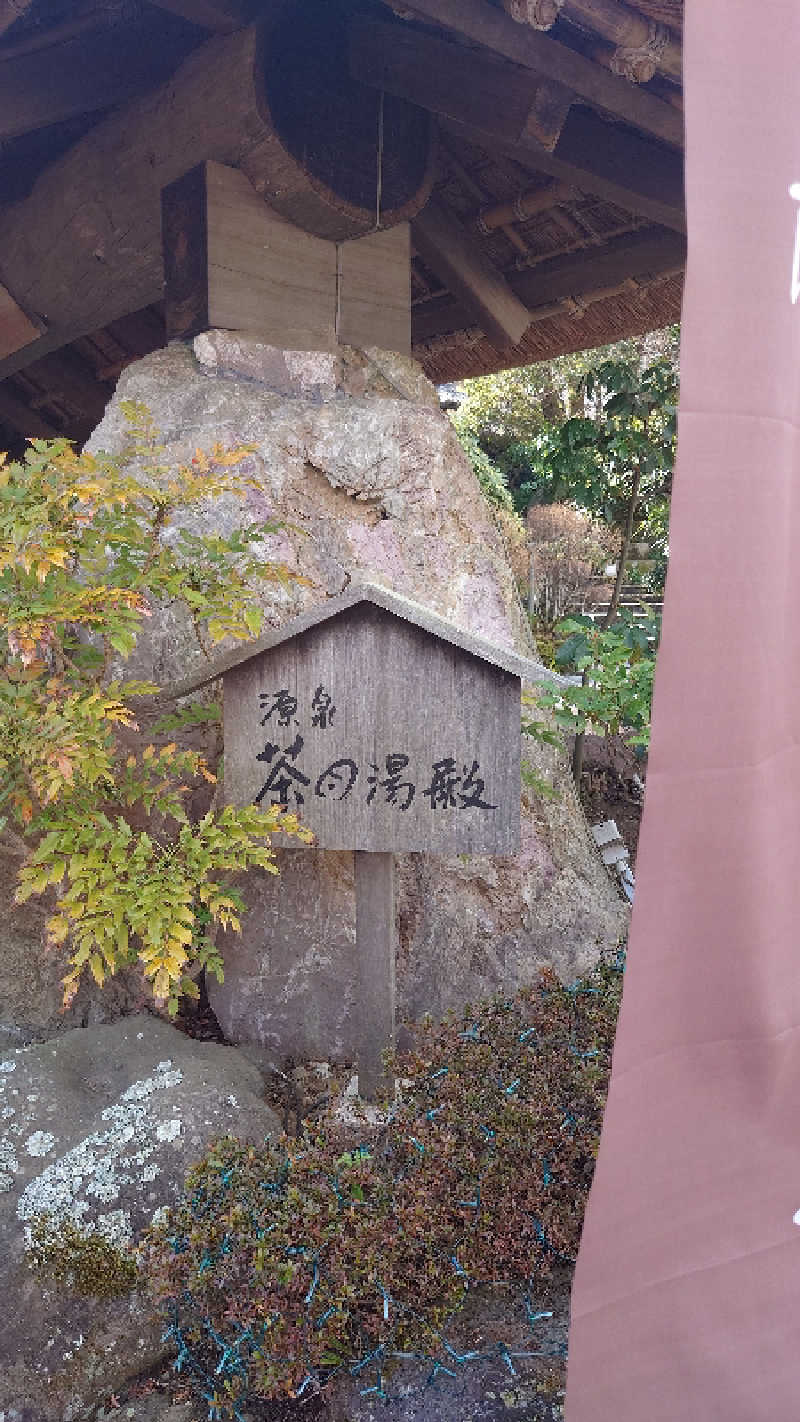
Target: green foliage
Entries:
(86, 1264)
(632, 427)
(199, 713)
(543, 734)
(618, 665)
(491, 479)
(516, 418)
(87, 545)
(286, 1263)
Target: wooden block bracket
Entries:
(232, 263)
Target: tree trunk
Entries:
(624, 549)
(580, 740)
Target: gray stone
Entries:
(98, 1128)
(156, 1408)
(370, 484)
(30, 976)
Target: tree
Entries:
(512, 418)
(568, 550)
(87, 544)
(618, 461)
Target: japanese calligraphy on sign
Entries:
(286, 784)
(379, 735)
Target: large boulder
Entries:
(355, 459)
(97, 1130)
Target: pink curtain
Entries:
(686, 1305)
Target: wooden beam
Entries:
(220, 16)
(591, 154)
(486, 25)
(94, 71)
(605, 273)
(34, 40)
(525, 205)
(69, 381)
(16, 415)
(84, 248)
(650, 186)
(458, 260)
(231, 263)
(642, 255)
(373, 301)
(458, 83)
(376, 935)
(624, 166)
(16, 330)
(657, 47)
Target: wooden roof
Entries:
(557, 204)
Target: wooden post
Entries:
(375, 947)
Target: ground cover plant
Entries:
(341, 1252)
(89, 544)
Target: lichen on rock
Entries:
(97, 1130)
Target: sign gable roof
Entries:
(503, 658)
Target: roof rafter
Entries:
(591, 154)
(489, 26)
(458, 260)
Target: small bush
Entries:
(570, 550)
(90, 545)
(287, 1263)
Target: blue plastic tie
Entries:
(535, 1317)
(439, 1368)
(506, 1356)
(309, 1296)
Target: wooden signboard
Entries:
(385, 729)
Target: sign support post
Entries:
(375, 951)
(388, 731)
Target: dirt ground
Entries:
(612, 787)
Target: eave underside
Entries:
(587, 268)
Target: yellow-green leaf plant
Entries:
(88, 543)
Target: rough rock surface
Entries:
(98, 1127)
(30, 976)
(354, 457)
